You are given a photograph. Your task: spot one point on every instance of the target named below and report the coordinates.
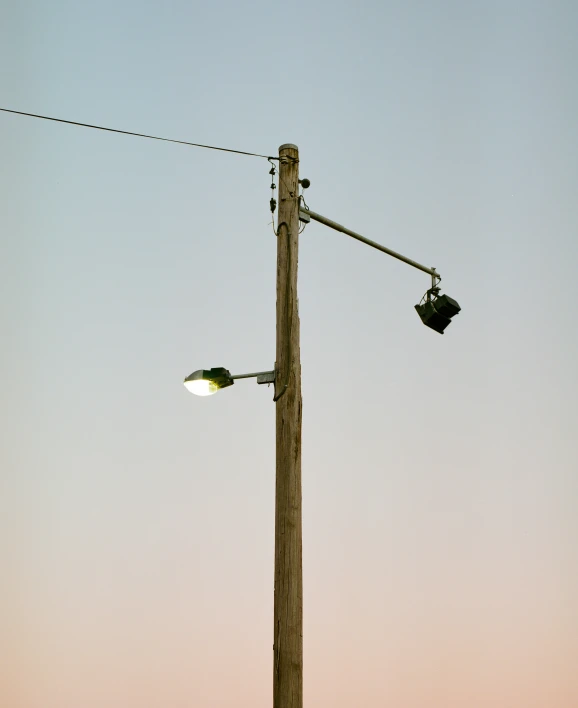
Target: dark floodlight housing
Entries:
(446, 306)
(205, 382)
(436, 313)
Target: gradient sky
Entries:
(440, 477)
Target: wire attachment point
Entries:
(273, 201)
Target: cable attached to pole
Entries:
(138, 135)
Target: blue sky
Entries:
(439, 473)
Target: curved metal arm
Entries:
(338, 227)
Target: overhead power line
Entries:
(138, 135)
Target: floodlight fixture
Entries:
(437, 311)
(206, 382)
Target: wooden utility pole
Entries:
(288, 593)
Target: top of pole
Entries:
(288, 146)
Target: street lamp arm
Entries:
(262, 376)
(338, 227)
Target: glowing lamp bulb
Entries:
(206, 382)
(201, 387)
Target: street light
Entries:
(206, 382)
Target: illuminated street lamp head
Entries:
(205, 382)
